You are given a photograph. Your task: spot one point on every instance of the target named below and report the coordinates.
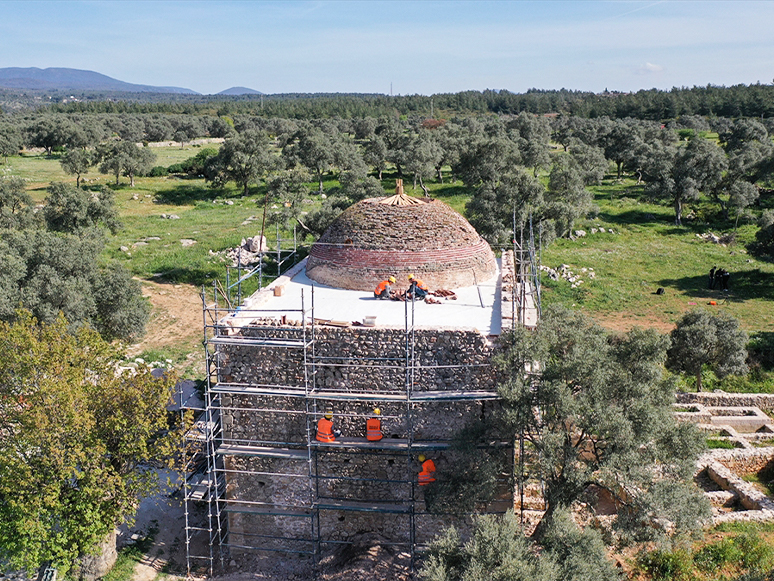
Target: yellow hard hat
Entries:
(329, 415)
(391, 279)
(377, 411)
(411, 277)
(422, 458)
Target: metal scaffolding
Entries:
(213, 455)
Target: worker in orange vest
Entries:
(427, 475)
(382, 291)
(417, 288)
(325, 428)
(374, 427)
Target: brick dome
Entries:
(379, 237)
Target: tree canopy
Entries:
(244, 159)
(52, 265)
(604, 421)
(702, 339)
(77, 441)
(125, 158)
(499, 551)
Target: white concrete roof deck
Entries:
(353, 306)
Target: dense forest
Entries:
(652, 104)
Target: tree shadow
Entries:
(632, 217)
(449, 190)
(761, 349)
(186, 194)
(743, 285)
(185, 275)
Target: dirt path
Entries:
(623, 322)
(175, 325)
(165, 515)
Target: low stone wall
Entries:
(764, 401)
(744, 462)
(724, 468)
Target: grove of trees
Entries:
(50, 261)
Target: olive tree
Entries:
(498, 551)
(71, 209)
(702, 339)
(244, 159)
(598, 415)
(125, 158)
(16, 205)
(77, 162)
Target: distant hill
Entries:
(240, 91)
(62, 79)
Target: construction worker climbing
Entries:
(417, 288)
(382, 291)
(427, 475)
(325, 428)
(374, 427)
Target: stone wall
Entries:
(350, 472)
(352, 363)
(764, 401)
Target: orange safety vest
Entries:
(325, 430)
(380, 288)
(421, 285)
(426, 476)
(374, 429)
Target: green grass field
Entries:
(646, 252)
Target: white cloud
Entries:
(649, 69)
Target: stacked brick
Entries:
(371, 241)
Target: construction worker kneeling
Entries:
(374, 427)
(427, 475)
(325, 431)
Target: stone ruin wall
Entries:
(285, 367)
(283, 420)
(764, 401)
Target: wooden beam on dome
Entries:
(402, 200)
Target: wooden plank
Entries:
(267, 510)
(241, 450)
(255, 342)
(257, 390)
(356, 396)
(397, 444)
(351, 505)
(452, 395)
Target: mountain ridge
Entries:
(62, 78)
(240, 91)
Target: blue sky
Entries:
(419, 47)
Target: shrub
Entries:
(667, 565)
(756, 554)
(715, 555)
(158, 171)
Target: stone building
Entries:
(315, 341)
